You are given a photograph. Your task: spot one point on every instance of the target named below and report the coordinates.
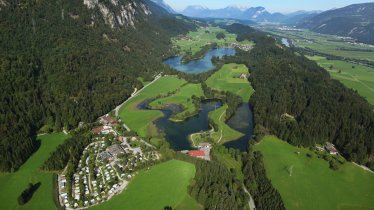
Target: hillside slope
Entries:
(65, 62)
(355, 21)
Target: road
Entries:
(251, 202)
(135, 93)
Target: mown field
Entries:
(141, 120)
(328, 44)
(226, 79)
(357, 77)
(204, 36)
(313, 185)
(163, 185)
(12, 185)
(183, 98)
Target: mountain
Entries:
(164, 5)
(356, 21)
(298, 17)
(256, 14)
(65, 62)
(203, 12)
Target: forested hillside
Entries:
(298, 101)
(64, 62)
(355, 21)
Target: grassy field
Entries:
(12, 185)
(328, 44)
(141, 120)
(200, 38)
(182, 98)
(163, 185)
(313, 185)
(360, 78)
(225, 133)
(226, 79)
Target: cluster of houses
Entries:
(184, 38)
(203, 151)
(244, 47)
(108, 123)
(329, 147)
(104, 169)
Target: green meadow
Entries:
(12, 185)
(357, 77)
(224, 133)
(182, 97)
(141, 120)
(227, 79)
(312, 184)
(204, 36)
(163, 185)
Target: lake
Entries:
(177, 133)
(202, 65)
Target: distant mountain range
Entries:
(355, 21)
(164, 5)
(257, 14)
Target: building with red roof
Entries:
(196, 153)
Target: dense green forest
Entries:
(298, 101)
(260, 187)
(60, 64)
(214, 186)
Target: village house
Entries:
(103, 130)
(108, 120)
(331, 148)
(244, 76)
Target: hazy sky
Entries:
(271, 5)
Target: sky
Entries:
(271, 5)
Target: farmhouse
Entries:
(103, 130)
(244, 76)
(331, 148)
(108, 120)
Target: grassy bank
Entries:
(12, 185)
(312, 184)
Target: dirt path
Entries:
(220, 117)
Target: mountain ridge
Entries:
(356, 21)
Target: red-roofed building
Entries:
(196, 153)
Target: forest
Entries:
(214, 186)
(320, 109)
(266, 197)
(60, 64)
